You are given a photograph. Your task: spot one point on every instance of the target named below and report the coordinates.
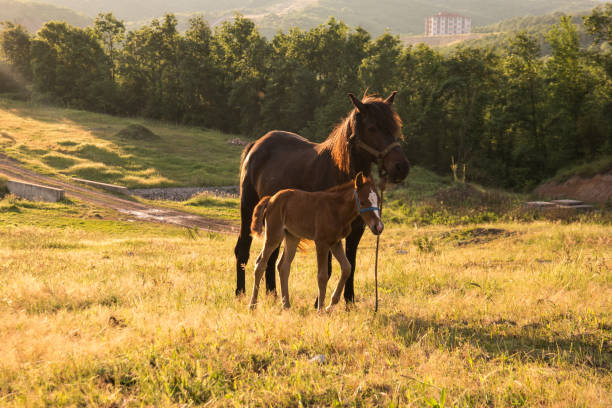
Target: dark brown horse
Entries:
(324, 217)
(280, 160)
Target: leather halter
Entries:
(378, 155)
(362, 210)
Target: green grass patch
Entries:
(58, 160)
(586, 170)
(206, 205)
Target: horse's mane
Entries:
(338, 140)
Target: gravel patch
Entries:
(183, 193)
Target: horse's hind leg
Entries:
(352, 241)
(284, 266)
(329, 272)
(248, 201)
(345, 266)
(322, 275)
(271, 273)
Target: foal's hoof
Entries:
(329, 309)
(252, 306)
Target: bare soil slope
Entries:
(597, 189)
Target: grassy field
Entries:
(98, 310)
(482, 303)
(89, 145)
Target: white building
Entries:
(446, 23)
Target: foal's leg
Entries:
(273, 240)
(270, 273)
(329, 272)
(345, 266)
(322, 276)
(352, 241)
(284, 266)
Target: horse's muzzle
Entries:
(399, 171)
(377, 228)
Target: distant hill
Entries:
(32, 15)
(399, 16)
(408, 16)
(496, 35)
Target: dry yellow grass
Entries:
(129, 314)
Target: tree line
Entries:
(512, 117)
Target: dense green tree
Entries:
(242, 53)
(111, 32)
(571, 83)
(150, 70)
(599, 23)
(69, 65)
(15, 46)
(201, 80)
(520, 141)
(420, 103)
(379, 70)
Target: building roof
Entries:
(445, 14)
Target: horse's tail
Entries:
(259, 216)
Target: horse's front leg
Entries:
(352, 242)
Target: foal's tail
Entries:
(259, 216)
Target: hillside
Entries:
(32, 15)
(497, 35)
(398, 16)
(407, 17)
(99, 147)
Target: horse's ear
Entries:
(357, 103)
(359, 180)
(390, 98)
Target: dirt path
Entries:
(12, 169)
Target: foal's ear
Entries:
(357, 103)
(359, 180)
(390, 98)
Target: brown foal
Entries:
(324, 217)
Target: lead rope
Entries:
(383, 184)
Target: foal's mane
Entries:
(341, 187)
(338, 140)
(346, 186)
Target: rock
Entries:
(237, 141)
(319, 358)
(539, 204)
(568, 202)
(582, 207)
